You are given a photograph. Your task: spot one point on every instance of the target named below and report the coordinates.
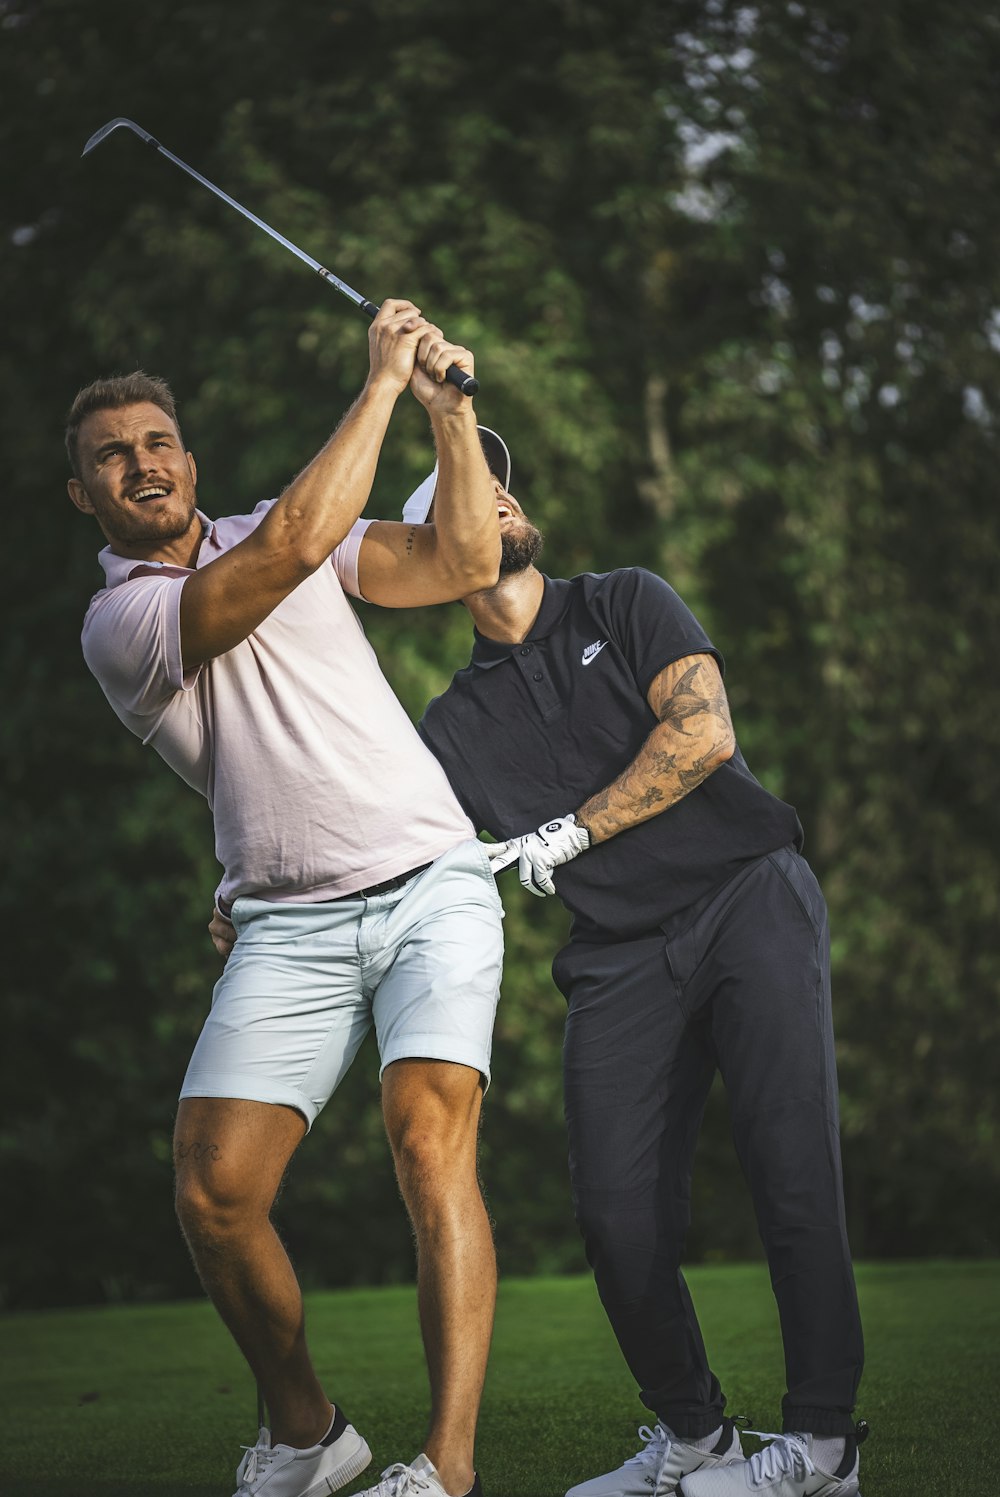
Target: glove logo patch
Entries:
(592, 651)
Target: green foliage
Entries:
(731, 278)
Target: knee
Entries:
(426, 1151)
(434, 1149)
(624, 1238)
(597, 1219)
(212, 1212)
(432, 1118)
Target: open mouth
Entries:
(150, 491)
(504, 511)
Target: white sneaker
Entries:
(418, 1479)
(282, 1471)
(785, 1468)
(658, 1467)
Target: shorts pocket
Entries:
(483, 860)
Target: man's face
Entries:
(137, 480)
(520, 541)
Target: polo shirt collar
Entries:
(119, 569)
(555, 601)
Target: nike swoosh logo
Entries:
(592, 652)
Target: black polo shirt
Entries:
(530, 731)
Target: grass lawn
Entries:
(126, 1402)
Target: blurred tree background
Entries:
(732, 276)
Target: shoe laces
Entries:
(785, 1455)
(656, 1445)
(254, 1465)
(400, 1481)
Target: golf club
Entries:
(465, 382)
(500, 865)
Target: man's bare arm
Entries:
(693, 737)
(222, 603)
(407, 566)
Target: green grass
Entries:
(127, 1401)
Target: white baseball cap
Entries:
(497, 458)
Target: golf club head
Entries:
(105, 131)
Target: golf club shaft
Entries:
(341, 286)
(465, 382)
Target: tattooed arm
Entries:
(693, 737)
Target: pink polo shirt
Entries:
(317, 780)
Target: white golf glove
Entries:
(539, 852)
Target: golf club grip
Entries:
(467, 383)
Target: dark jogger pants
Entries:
(742, 984)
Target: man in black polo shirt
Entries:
(594, 709)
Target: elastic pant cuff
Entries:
(829, 1423)
(688, 1425)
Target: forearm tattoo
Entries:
(684, 701)
(663, 772)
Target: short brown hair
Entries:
(111, 395)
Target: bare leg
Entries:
(230, 1157)
(432, 1118)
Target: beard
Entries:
(138, 530)
(140, 527)
(520, 548)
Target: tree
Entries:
(730, 274)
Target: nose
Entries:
(143, 462)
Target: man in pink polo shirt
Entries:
(358, 890)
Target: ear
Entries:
(191, 466)
(80, 497)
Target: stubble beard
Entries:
(132, 527)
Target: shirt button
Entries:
(537, 676)
(526, 650)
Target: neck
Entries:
(506, 611)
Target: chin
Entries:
(520, 550)
(153, 528)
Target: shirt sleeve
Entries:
(132, 643)
(345, 559)
(652, 625)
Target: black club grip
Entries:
(467, 383)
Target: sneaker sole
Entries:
(351, 1466)
(847, 1491)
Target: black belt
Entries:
(383, 888)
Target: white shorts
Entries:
(305, 982)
